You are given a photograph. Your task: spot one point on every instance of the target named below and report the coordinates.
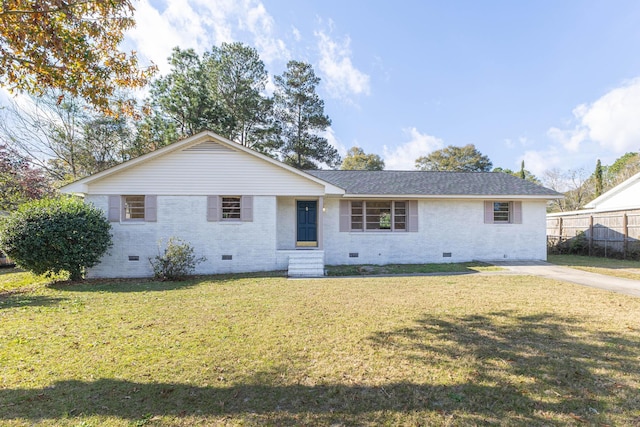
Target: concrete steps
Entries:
(306, 263)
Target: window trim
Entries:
(498, 212)
(392, 220)
(123, 199)
(514, 212)
(239, 209)
(117, 209)
(215, 209)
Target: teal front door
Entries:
(307, 219)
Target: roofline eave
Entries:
(453, 196)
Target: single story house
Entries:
(245, 211)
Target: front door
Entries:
(307, 218)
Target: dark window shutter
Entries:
(488, 212)
(151, 208)
(113, 214)
(413, 216)
(246, 208)
(345, 215)
(517, 212)
(213, 213)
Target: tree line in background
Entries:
(83, 118)
(222, 91)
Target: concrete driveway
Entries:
(566, 274)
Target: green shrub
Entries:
(176, 262)
(579, 245)
(55, 235)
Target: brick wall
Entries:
(445, 226)
(250, 244)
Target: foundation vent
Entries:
(227, 257)
(134, 258)
(354, 254)
(446, 254)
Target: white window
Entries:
(133, 208)
(383, 215)
(231, 208)
(501, 212)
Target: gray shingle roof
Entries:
(432, 183)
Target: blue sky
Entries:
(556, 83)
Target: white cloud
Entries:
(156, 33)
(260, 23)
(603, 129)
(342, 78)
(404, 157)
(521, 141)
(201, 24)
(296, 33)
(537, 162)
(611, 121)
(570, 139)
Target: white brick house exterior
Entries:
(247, 212)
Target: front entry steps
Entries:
(306, 263)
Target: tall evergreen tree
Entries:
(300, 115)
(523, 172)
(598, 176)
(186, 97)
(237, 76)
(222, 91)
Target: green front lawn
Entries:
(369, 269)
(13, 279)
(626, 269)
(450, 350)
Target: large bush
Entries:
(50, 236)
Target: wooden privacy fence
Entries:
(609, 234)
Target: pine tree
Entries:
(300, 115)
(598, 174)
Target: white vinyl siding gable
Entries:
(192, 172)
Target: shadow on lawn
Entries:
(540, 364)
(513, 370)
(151, 285)
(24, 299)
(289, 404)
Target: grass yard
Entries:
(626, 269)
(13, 279)
(448, 350)
(369, 269)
